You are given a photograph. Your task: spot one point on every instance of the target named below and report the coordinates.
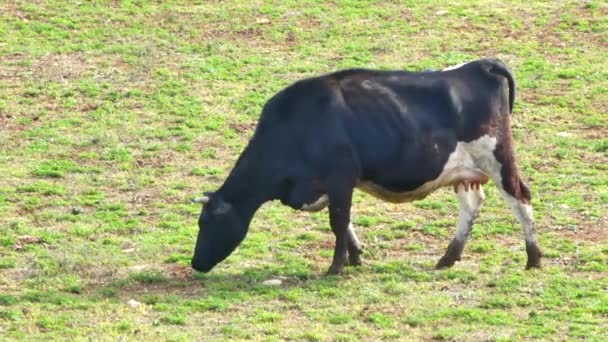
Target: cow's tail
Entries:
(498, 68)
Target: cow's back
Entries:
(403, 127)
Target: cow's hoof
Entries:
(446, 261)
(335, 270)
(533, 263)
(452, 254)
(531, 266)
(354, 260)
(534, 256)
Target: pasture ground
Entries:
(113, 114)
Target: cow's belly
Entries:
(456, 177)
(463, 168)
(467, 178)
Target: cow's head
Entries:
(221, 230)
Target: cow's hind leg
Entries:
(469, 202)
(519, 201)
(517, 195)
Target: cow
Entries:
(397, 135)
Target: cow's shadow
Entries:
(220, 282)
(259, 278)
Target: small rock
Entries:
(290, 13)
(441, 12)
(128, 250)
(133, 303)
(273, 282)
(76, 211)
(138, 268)
(563, 134)
(262, 20)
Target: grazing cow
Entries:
(396, 135)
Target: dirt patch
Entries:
(600, 104)
(250, 32)
(24, 240)
(10, 279)
(219, 32)
(8, 123)
(243, 127)
(187, 289)
(593, 133)
(87, 107)
(60, 67)
(179, 283)
(161, 159)
(143, 197)
(9, 8)
(175, 271)
(254, 31)
(10, 68)
(593, 158)
(587, 231)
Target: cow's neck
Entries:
(250, 183)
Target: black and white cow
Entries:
(396, 135)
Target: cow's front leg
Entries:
(339, 219)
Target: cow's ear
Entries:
(222, 208)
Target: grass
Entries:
(114, 114)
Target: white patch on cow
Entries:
(353, 236)
(522, 211)
(319, 204)
(524, 215)
(469, 203)
(456, 66)
(469, 163)
(492, 167)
